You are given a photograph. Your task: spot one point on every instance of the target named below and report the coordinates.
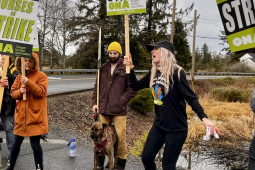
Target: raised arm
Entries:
(135, 84)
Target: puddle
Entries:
(211, 160)
(195, 161)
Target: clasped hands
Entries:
(24, 81)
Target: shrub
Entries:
(240, 67)
(224, 81)
(231, 95)
(142, 102)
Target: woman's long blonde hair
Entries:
(167, 65)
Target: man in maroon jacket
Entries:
(114, 94)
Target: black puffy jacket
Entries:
(9, 104)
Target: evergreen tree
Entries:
(144, 29)
(206, 54)
(198, 60)
(181, 45)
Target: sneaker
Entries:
(8, 163)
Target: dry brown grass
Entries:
(234, 119)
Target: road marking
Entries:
(53, 78)
(72, 79)
(59, 79)
(50, 141)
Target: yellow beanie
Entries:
(114, 46)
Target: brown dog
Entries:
(104, 138)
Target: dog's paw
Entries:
(107, 165)
(99, 168)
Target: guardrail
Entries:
(63, 71)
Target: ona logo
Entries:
(238, 41)
(6, 48)
(119, 5)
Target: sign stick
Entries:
(6, 65)
(98, 72)
(1, 68)
(127, 41)
(23, 74)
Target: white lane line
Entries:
(54, 78)
(50, 141)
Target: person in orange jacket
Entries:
(31, 118)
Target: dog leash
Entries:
(95, 115)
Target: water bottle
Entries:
(72, 145)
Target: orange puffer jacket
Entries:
(31, 115)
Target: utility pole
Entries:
(194, 42)
(172, 28)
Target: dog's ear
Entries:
(104, 125)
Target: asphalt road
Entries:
(56, 156)
(68, 83)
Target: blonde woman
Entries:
(170, 91)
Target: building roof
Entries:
(252, 55)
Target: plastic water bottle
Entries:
(72, 145)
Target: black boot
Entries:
(121, 163)
(9, 167)
(100, 162)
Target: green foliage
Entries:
(141, 58)
(138, 146)
(225, 81)
(142, 102)
(231, 95)
(253, 80)
(181, 45)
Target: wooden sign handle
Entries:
(127, 41)
(98, 72)
(6, 65)
(1, 68)
(23, 74)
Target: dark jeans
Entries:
(251, 164)
(35, 144)
(156, 139)
(252, 155)
(8, 124)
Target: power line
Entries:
(203, 19)
(210, 21)
(204, 37)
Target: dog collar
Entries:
(100, 146)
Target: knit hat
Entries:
(114, 46)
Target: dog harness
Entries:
(100, 146)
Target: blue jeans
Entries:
(8, 124)
(173, 145)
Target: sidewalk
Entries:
(56, 156)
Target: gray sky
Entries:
(209, 23)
